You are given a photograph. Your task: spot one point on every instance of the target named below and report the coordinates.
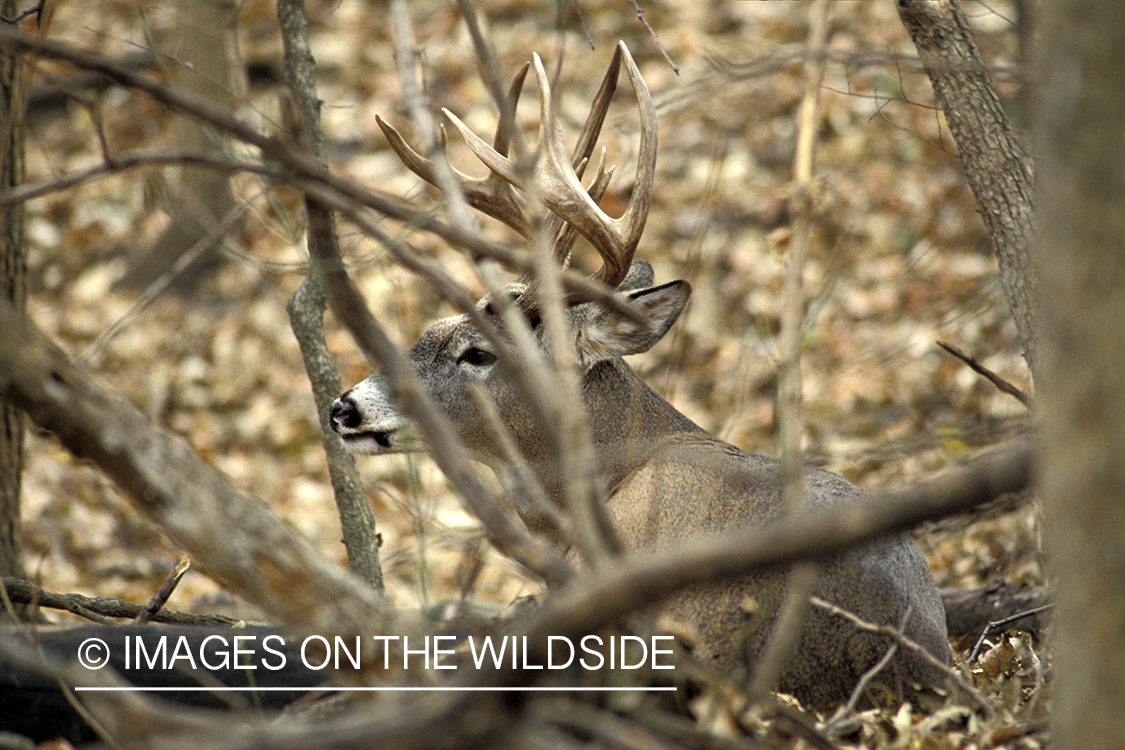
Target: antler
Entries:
(489, 195)
(557, 177)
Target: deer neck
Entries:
(627, 420)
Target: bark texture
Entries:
(997, 169)
(307, 307)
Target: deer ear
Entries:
(609, 334)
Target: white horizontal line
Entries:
(390, 689)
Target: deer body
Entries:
(664, 477)
(700, 484)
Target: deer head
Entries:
(455, 355)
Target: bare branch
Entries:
(257, 554)
(35, 10)
(790, 401)
(124, 162)
(307, 306)
(101, 607)
(992, 377)
(160, 284)
(652, 32)
(299, 168)
(860, 686)
(993, 625)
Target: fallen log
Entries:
(968, 612)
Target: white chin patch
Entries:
(372, 443)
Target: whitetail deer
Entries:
(664, 477)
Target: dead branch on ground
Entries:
(101, 607)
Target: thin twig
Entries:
(300, 168)
(866, 678)
(525, 480)
(910, 645)
(802, 577)
(655, 38)
(582, 20)
(415, 104)
(205, 243)
(160, 598)
(993, 625)
(490, 73)
(992, 377)
(861, 686)
(35, 10)
(124, 162)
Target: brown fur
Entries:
(665, 479)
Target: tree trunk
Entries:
(995, 166)
(1082, 385)
(13, 288)
(308, 304)
(199, 65)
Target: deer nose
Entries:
(343, 414)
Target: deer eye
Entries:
(476, 357)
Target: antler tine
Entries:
(558, 183)
(566, 233)
(503, 137)
(598, 109)
(490, 195)
(615, 239)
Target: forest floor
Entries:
(901, 261)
